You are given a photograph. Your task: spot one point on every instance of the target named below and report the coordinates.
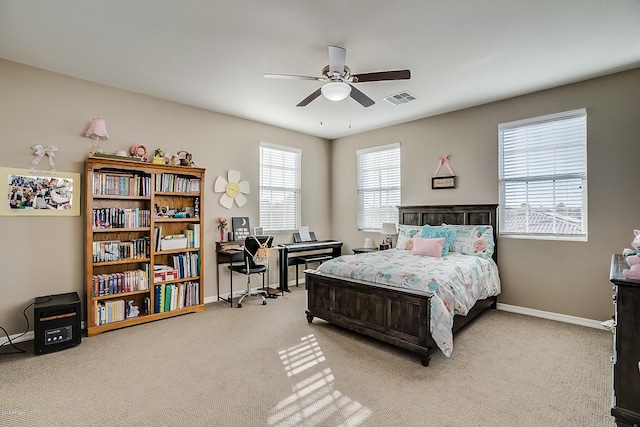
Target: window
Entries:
(543, 177)
(279, 187)
(378, 186)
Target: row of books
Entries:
(172, 183)
(109, 311)
(121, 218)
(121, 184)
(124, 281)
(193, 235)
(175, 296)
(115, 250)
(187, 264)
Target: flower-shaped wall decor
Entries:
(232, 189)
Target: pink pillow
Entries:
(428, 247)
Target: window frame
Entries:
(562, 182)
(284, 225)
(384, 191)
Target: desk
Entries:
(333, 248)
(229, 253)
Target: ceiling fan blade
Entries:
(337, 58)
(382, 75)
(290, 76)
(309, 98)
(363, 99)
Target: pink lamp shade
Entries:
(97, 130)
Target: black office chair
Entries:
(249, 267)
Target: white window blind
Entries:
(378, 186)
(543, 177)
(279, 187)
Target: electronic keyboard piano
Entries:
(330, 248)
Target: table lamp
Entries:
(97, 130)
(388, 229)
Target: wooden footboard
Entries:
(394, 315)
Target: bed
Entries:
(397, 315)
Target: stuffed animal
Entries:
(633, 272)
(131, 310)
(139, 151)
(636, 242)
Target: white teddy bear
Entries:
(636, 242)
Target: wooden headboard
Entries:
(453, 215)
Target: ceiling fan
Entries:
(339, 79)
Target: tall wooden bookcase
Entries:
(129, 207)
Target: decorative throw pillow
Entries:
(406, 233)
(429, 232)
(428, 247)
(473, 239)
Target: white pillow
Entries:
(473, 240)
(406, 233)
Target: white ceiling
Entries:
(212, 53)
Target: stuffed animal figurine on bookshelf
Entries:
(139, 151)
(132, 310)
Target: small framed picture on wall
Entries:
(443, 182)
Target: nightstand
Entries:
(357, 251)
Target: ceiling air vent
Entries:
(400, 98)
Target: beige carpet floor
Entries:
(266, 366)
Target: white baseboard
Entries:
(16, 338)
(551, 316)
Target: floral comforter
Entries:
(456, 282)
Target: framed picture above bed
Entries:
(443, 182)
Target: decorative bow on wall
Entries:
(40, 151)
(444, 160)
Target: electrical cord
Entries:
(9, 341)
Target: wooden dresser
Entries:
(625, 403)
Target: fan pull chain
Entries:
(321, 104)
(349, 112)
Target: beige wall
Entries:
(44, 255)
(564, 277)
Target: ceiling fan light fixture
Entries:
(336, 91)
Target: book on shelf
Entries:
(157, 236)
(109, 311)
(121, 218)
(174, 296)
(157, 298)
(120, 184)
(168, 289)
(186, 264)
(172, 183)
(193, 235)
(120, 282)
(115, 250)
